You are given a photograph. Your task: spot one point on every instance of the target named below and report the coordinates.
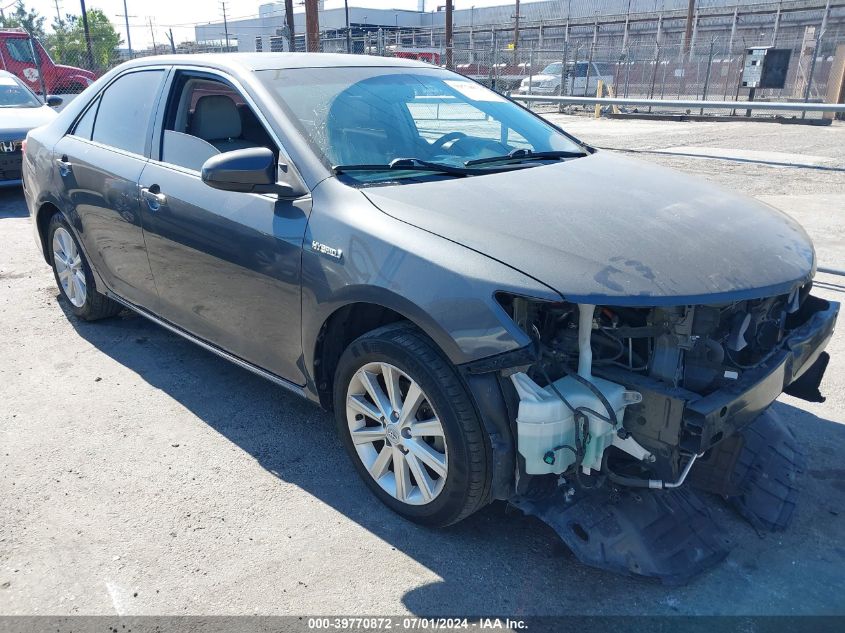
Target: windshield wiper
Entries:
(407, 164)
(521, 155)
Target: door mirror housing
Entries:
(54, 101)
(252, 170)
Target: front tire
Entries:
(73, 274)
(409, 426)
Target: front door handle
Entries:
(64, 165)
(154, 197)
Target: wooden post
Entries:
(449, 60)
(289, 23)
(312, 27)
(836, 81)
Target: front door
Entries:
(98, 165)
(226, 264)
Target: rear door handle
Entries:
(64, 165)
(153, 197)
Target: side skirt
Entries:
(240, 362)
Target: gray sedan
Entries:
(492, 308)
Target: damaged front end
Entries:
(613, 400)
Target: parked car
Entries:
(20, 111)
(19, 52)
(578, 80)
(492, 308)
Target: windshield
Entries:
(552, 69)
(372, 116)
(13, 94)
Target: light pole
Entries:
(348, 33)
(87, 32)
(128, 36)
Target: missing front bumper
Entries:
(671, 421)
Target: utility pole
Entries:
(449, 58)
(312, 26)
(515, 32)
(225, 27)
(126, 18)
(289, 22)
(60, 27)
(89, 53)
(348, 32)
(688, 32)
(152, 33)
(170, 37)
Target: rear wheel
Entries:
(73, 274)
(409, 426)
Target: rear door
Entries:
(226, 264)
(98, 164)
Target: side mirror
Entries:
(251, 170)
(54, 101)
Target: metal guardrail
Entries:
(685, 103)
(831, 271)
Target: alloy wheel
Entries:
(396, 433)
(69, 269)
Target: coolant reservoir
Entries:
(545, 425)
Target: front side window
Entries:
(125, 110)
(357, 116)
(14, 94)
(20, 50)
(206, 117)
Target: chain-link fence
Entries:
(559, 49)
(636, 55)
(65, 62)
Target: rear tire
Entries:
(425, 427)
(73, 274)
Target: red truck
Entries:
(16, 54)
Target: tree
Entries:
(67, 43)
(21, 17)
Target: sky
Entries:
(181, 15)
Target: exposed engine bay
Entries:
(634, 396)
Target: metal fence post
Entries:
(654, 73)
(530, 70)
(37, 58)
(816, 52)
(563, 70)
(707, 74)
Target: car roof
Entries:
(275, 61)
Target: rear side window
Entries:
(125, 110)
(85, 125)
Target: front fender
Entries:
(446, 289)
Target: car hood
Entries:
(16, 122)
(73, 70)
(612, 230)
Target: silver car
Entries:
(20, 111)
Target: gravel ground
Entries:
(142, 475)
